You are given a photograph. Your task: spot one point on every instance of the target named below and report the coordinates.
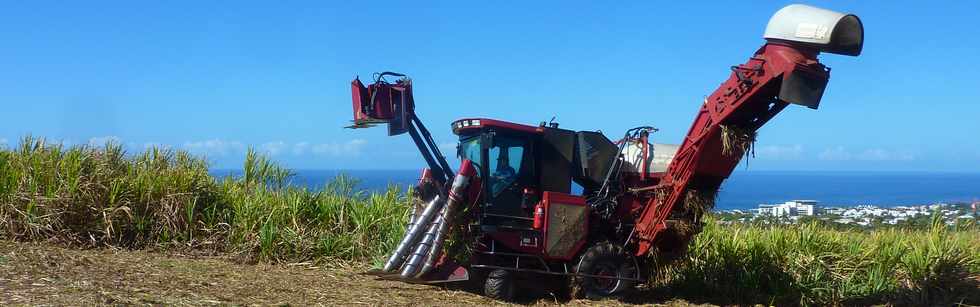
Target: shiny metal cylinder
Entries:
(423, 248)
(413, 215)
(413, 234)
(459, 185)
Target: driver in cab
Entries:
(503, 174)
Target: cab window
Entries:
(504, 160)
(469, 149)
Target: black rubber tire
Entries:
(500, 285)
(604, 258)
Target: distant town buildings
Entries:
(789, 209)
(863, 215)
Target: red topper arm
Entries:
(778, 74)
(785, 70)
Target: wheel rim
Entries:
(609, 283)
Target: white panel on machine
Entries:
(658, 157)
(827, 30)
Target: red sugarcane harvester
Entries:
(509, 212)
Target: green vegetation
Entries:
(812, 264)
(94, 197)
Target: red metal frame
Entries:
(383, 102)
(486, 122)
(746, 99)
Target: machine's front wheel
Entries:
(500, 285)
(604, 259)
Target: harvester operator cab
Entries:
(518, 163)
(504, 161)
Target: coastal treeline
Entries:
(101, 196)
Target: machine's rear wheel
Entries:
(500, 285)
(604, 259)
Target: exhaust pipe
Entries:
(412, 236)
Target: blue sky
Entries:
(215, 78)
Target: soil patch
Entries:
(48, 274)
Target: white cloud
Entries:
(220, 147)
(3, 142)
(834, 154)
(149, 145)
(273, 148)
(102, 140)
(878, 154)
(300, 148)
(839, 153)
(780, 152)
(216, 147)
(351, 148)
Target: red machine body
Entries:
(382, 102)
(522, 215)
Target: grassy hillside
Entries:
(104, 197)
(95, 197)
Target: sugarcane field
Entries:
(489, 154)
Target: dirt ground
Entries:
(46, 274)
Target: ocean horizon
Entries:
(746, 189)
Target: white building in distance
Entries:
(789, 209)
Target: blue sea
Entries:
(748, 189)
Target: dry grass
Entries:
(737, 141)
(36, 274)
(700, 202)
(43, 274)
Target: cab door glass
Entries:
(470, 149)
(505, 159)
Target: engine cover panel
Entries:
(566, 225)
